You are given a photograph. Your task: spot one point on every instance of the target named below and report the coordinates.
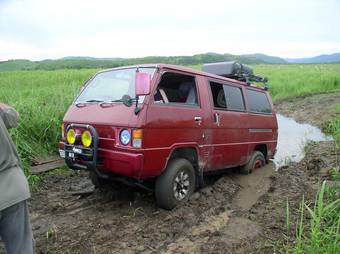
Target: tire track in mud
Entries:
(253, 186)
(234, 228)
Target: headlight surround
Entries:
(86, 138)
(125, 137)
(71, 136)
(63, 131)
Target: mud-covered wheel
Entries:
(257, 160)
(97, 181)
(175, 185)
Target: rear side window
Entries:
(227, 97)
(258, 102)
(176, 88)
(234, 98)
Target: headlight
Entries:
(71, 136)
(86, 139)
(125, 137)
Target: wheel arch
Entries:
(263, 149)
(190, 153)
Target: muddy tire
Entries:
(257, 160)
(97, 181)
(176, 184)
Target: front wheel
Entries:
(97, 181)
(176, 184)
(257, 160)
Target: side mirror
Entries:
(142, 84)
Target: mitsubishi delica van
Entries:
(169, 125)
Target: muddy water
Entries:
(253, 186)
(293, 137)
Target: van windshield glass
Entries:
(111, 86)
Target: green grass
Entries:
(317, 230)
(298, 80)
(41, 98)
(333, 126)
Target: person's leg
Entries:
(15, 229)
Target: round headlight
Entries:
(71, 136)
(86, 139)
(125, 137)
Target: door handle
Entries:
(197, 118)
(217, 119)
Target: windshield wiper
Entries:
(126, 99)
(83, 104)
(94, 101)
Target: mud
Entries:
(314, 109)
(233, 213)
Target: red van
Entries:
(169, 124)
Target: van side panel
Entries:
(170, 126)
(263, 129)
(162, 134)
(229, 135)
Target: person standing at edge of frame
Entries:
(15, 226)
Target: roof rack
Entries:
(234, 70)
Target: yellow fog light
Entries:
(71, 136)
(86, 138)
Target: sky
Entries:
(50, 29)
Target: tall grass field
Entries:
(41, 98)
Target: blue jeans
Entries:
(16, 230)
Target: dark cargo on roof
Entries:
(233, 70)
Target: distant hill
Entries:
(79, 62)
(19, 64)
(89, 58)
(266, 58)
(332, 58)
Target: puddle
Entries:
(293, 137)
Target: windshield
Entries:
(110, 86)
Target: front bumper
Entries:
(104, 162)
(108, 161)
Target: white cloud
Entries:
(40, 29)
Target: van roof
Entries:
(184, 69)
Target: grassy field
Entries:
(41, 98)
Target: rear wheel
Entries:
(97, 181)
(257, 160)
(176, 184)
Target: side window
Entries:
(176, 88)
(218, 95)
(227, 97)
(234, 98)
(258, 102)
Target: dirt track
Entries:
(232, 214)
